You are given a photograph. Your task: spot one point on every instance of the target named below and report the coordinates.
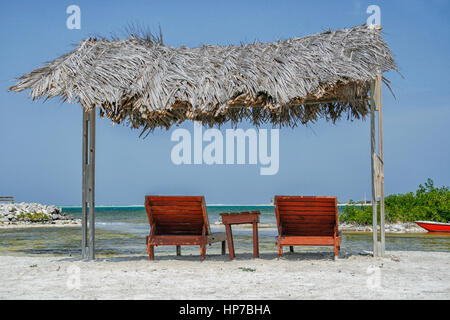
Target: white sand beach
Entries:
(399, 275)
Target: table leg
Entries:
(151, 252)
(230, 241)
(223, 247)
(255, 240)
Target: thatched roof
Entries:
(153, 85)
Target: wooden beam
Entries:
(84, 227)
(379, 104)
(88, 186)
(92, 185)
(373, 164)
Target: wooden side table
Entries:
(240, 218)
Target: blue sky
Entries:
(40, 143)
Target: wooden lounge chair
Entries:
(307, 221)
(179, 220)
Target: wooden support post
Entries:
(255, 240)
(379, 104)
(88, 186)
(92, 186)
(377, 167)
(373, 166)
(84, 248)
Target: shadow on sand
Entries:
(287, 256)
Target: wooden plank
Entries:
(176, 233)
(308, 226)
(169, 199)
(306, 203)
(177, 212)
(309, 218)
(310, 222)
(283, 207)
(177, 207)
(171, 230)
(174, 206)
(312, 228)
(304, 198)
(165, 203)
(177, 218)
(307, 240)
(227, 219)
(179, 226)
(241, 213)
(307, 233)
(306, 213)
(175, 240)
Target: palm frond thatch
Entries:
(153, 85)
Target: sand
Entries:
(399, 275)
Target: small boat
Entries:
(434, 226)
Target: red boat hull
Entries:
(435, 226)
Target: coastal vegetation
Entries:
(429, 203)
(33, 216)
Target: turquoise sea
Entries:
(121, 231)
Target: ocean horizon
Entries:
(141, 205)
(208, 205)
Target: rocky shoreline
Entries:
(33, 214)
(399, 227)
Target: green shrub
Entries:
(356, 214)
(428, 203)
(37, 216)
